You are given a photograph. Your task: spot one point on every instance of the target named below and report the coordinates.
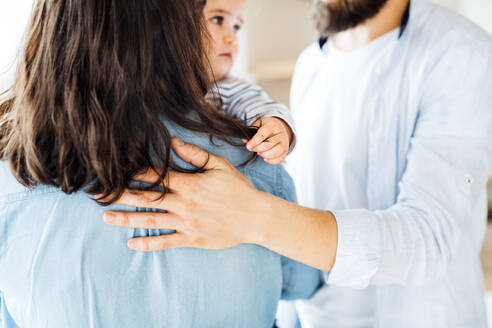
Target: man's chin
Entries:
(334, 16)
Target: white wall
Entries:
(278, 29)
(479, 11)
(14, 16)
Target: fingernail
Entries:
(110, 217)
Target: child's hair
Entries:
(95, 81)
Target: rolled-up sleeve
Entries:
(447, 169)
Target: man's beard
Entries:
(339, 15)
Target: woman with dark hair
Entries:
(102, 87)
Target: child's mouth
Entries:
(227, 55)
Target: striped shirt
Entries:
(248, 102)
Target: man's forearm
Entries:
(302, 234)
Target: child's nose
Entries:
(230, 37)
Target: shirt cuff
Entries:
(290, 122)
(359, 249)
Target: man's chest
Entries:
(335, 111)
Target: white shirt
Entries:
(333, 117)
(404, 172)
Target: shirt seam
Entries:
(24, 195)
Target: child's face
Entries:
(224, 20)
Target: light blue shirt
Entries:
(61, 266)
(410, 194)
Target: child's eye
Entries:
(218, 20)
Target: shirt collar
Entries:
(403, 26)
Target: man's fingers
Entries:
(261, 135)
(149, 176)
(158, 243)
(144, 220)
(197, 156)
(171, 181)
(148, 199)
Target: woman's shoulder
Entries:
(13, 190)
(274, 180)
(8, 183)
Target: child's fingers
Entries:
(258, 123)
(272, 141)
(263, 133)
(265, 146)
(275, 161)
(273, 153)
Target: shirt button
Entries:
(469, 180)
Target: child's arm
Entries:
(250, 103)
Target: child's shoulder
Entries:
(234, 89)
(233, 84)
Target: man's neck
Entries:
(388, 19)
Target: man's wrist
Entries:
(303, 234)
(259, 227)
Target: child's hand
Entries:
(272, 140)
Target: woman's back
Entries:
(85, 114)
(61, 266)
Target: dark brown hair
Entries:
(96, 81)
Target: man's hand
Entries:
(211, 210)
(272, 141)
(220, 209)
